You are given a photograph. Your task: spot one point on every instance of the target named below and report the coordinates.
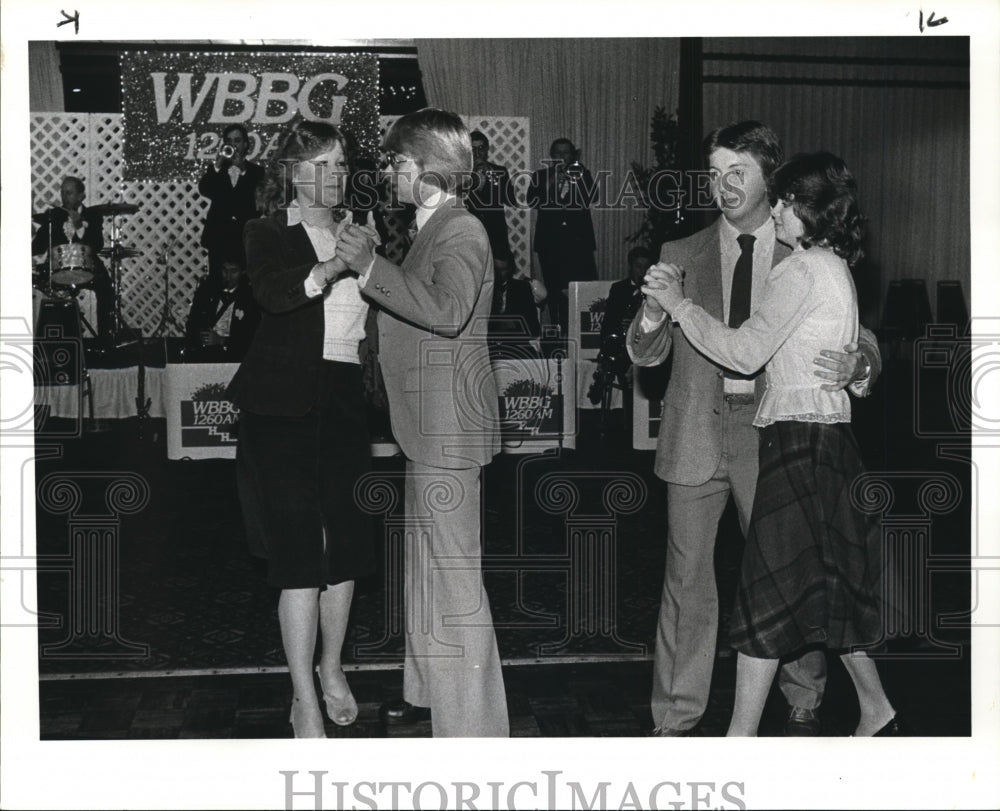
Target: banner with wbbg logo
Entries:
(176, 105)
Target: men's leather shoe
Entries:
(403, 712)
(669, 732)
(801, 723)
(896, 728)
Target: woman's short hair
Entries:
(752, 137)
(824, 196)
(438, 141)
(302, 141)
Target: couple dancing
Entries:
(811, 569)
(303, 441)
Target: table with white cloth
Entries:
(115, 392)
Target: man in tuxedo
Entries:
(490, 192)
(563, 192)
(223, 316)
(624, 301)
(707, 446)
(72, 222)
(625, 297)
(514, 327)
(231, 184)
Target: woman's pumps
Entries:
(305, 724)
(343, 711)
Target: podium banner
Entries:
(587, 302)
(537, 402)
(201, 422)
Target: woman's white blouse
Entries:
(808, 304)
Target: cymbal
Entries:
(44, 216)
(113, 209)
(120, 253)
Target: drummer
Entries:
(72, 222)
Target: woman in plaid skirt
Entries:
(812, 565)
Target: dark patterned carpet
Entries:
(147, 570)
(189, 596)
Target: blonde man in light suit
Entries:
(443, 407)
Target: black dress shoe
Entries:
(896, 728)
(403, 712)
(801, 723)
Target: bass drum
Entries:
(72, 264)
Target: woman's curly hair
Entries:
(824, 196)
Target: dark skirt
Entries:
(812, 564)
(296, 477)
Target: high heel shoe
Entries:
(342, 711)
(896, 728)
(302, 727)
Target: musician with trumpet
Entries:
(65, 251)
(230, 183)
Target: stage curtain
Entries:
(896, 110)
(599, 93)
(45, 84)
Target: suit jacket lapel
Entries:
(709, 257)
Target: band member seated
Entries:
(513, 327)
(614, 366)
(223, 316)
(71, 223)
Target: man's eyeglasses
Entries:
(394, 160)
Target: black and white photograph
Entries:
(495, 391)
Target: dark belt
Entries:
(738, 399)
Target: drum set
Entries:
(64, 282)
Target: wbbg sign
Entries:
(176, 105)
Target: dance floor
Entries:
(186, 641)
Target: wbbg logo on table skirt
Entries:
(529, 408)
(208, 419)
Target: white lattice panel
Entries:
(510, 146)
(171, 213)
(60, 146)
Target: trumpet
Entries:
(227, 151)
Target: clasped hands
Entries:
(663, 287)
(354, 252)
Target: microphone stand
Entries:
(167, 318)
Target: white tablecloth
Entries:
(114, 392)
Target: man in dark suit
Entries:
(562, 193)
(223, 316)
(490, 192)
(72, 222)
(231, 184)
(514, 327)
(707, 446)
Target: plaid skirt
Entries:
(812, 563)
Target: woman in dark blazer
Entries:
(303, 436)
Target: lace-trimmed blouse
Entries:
(808, 304)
